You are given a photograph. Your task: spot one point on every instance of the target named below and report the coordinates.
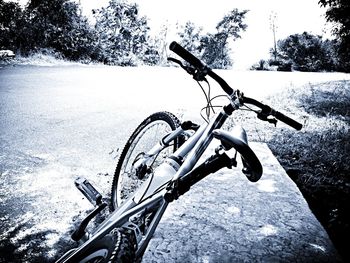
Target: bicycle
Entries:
(159, 163)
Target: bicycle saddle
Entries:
(237, 139)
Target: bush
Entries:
(261, 65)
(306, 52)
(285, 66)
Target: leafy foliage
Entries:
(123, 38)
(191, 37)
(214, 49)
(119, 35)
(306, 52)
(303, 52)
(11, 21)
(338, 13)
(44, 25)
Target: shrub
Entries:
(306, 52)
(261, 65)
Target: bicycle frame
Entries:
(151, 196)
(173, 177)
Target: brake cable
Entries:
(198, 75)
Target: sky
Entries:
(293, 16)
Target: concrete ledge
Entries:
(226, 218)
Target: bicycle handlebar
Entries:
(269, 111)
(186, 55)
(199, 66)
(195, 62)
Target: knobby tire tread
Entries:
(166, 116)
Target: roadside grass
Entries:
(45, 57)
(317, 158)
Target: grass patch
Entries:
(44, 57)
(317, 158)
(328, 99)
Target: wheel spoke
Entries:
(145, 137)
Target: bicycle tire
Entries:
(118, 246)
(121, 191)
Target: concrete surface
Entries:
(226, 218)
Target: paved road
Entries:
(58, 123)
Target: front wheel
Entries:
(152, 130)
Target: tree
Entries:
(123, 34)
(306, 52)
(215, 47)
(215, 51)
(190, 37)
(161, 46)
(338, 13)
(58, 25)
(11, 21)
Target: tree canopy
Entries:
(306, 52)
(123, 34)
(10, 25)
(118, 35)
(213, 48)
(338, 13)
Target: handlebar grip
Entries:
(183, 53)
(267, 109)
(280, 116)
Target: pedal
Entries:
(88, 191)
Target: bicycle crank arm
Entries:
(80, 231)
(95, 198)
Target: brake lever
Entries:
(272, 121)
(265, 117)
(175, 61)
(198, 75)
